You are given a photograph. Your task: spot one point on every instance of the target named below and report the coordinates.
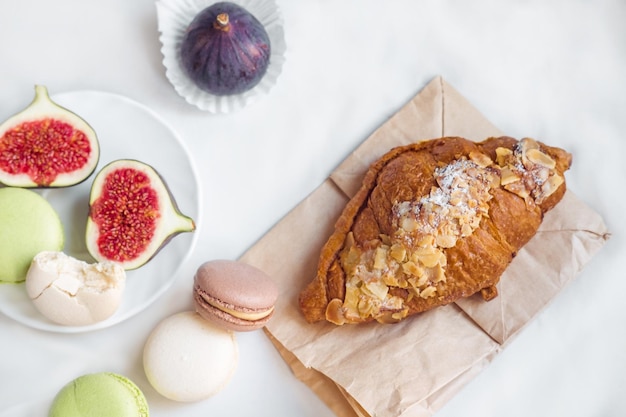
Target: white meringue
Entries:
(72, 292)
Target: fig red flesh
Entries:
(133, 212)
(43, 149)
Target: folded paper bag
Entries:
(414, 367)
(566, 240)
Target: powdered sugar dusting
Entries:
(459, 199)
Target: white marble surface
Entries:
(554, 70)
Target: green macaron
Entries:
(28, 225)
(103, 394)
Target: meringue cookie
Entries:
(72, 292)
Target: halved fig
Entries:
(46, 145)
(132, 214)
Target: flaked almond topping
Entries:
(413, 258)
(527, 170)
(398, 252)
(537, 157)
(541, 174)
(508, 176)
(411, 268)
(446, 241)
(525, 144)
(519, 189)
(397, 316)
(409, 224)
(439, 274)
(334, 312)
(428, 292)
(480, 159)
(377, 288)
(422, 281)
(426, 241)
(549, 187)
(502, 154)
(431, 260)
(380, 257)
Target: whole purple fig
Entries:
(225, 50)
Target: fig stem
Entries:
(222, 22)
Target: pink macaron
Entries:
(234, 295)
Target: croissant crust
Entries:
(433, 222)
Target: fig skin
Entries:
(225, 50)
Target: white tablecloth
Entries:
(553, 70)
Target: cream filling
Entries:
(242, 314)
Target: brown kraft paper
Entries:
(412, 368)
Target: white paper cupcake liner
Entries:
(173, 18)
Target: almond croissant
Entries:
(433, 222)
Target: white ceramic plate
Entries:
(126, 130)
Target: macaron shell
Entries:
(102, 394)
(237, 283)
(187, 359)
(28, 225)
(237, 286)
(224, 319)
